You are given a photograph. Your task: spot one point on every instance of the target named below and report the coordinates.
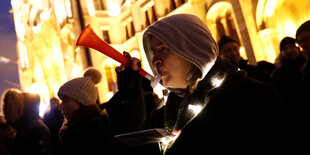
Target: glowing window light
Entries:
(114, 8)
(195, 108)
(20, 30)
(114, 12)
(75, 71)
(43, 108)
(67, 56)
(38, 4)
(68, 8)
(242, 52)
(289, 28)
(15, 4)
(216, 81)
(60, 10)
(148, 5)
(136, 54)
(45, 15)
(127, 3)
(270, 8)
(23, 55)
(36, 29)
(55, 88)
(266, 36)
(36, 88)
(91, 8)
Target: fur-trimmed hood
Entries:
(12, 102)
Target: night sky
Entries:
(8, 71)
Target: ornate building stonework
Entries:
(47, 32)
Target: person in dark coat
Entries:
(21, 110)
(266, 67)
(54, 120)
(117, 107)
(212, 105)
(85, 130)
(303, 39)
(229, 51)
(133, 89)
(125, 110)
(287, 78)
(7, 136)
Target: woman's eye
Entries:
(162, 48)
(158, 50)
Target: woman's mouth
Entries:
(162, 73)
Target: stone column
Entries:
(243, 30)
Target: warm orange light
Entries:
(90, 8)
(270, 8)
(114, 8)
(36, 88)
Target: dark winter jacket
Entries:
(238, 115)
(88, 133)
(33, 136)
(125, 110)
(54, 120)
(287, 79)
(7, 136)
(253, 71)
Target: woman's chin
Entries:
(168, 85)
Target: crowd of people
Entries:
(216, 101)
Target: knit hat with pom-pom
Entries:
(83, 89)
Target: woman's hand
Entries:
(128, 76)
(133, 63)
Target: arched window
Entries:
(109, 75)
(99, 5)
(220, 20)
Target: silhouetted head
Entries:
(229, 49)
(303, 37)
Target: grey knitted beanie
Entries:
(83, 89)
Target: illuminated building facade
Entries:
(48, 29)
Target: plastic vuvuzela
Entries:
(88, 38)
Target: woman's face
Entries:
(173, 68)
(68, 107)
